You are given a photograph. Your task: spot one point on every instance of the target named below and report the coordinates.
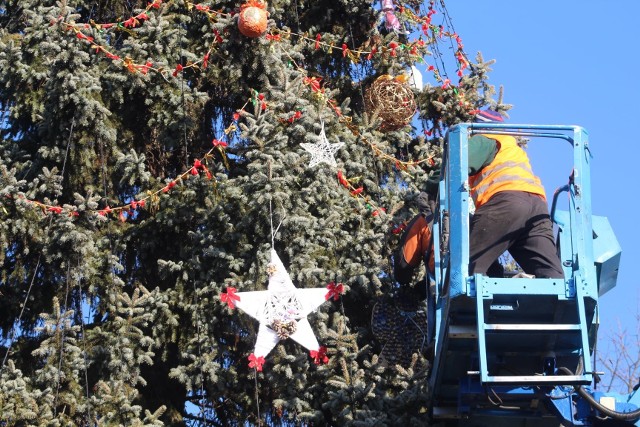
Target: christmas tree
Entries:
(154, 157)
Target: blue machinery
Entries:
(518, 351)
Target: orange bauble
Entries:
(252, 21)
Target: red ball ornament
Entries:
(252, 21)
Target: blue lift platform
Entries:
(518, 351)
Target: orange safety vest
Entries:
(510, 170)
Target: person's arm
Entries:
(482, 151)
(413, 245)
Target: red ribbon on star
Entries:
(230, 297)
(319, 356)
(335, 290)
(256, 362)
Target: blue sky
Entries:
(573, 62)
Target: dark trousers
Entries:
(517, 222)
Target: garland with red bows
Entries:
(314, 83)
(415, 48)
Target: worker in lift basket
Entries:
(511, 207)
(511, 213)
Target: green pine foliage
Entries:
(110, 310)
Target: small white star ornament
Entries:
(282, 311)
(322, 151)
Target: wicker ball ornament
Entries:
(252, 21)
(392, 100)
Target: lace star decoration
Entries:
(282, 311)
(322, 151)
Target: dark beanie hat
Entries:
(488, 116)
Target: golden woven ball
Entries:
(391, 100)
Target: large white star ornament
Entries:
(322, 151)
(282, 311)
